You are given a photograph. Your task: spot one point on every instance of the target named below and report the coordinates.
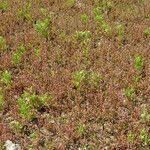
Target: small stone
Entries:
(11, 146)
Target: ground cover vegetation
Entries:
(75, 74)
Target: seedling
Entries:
(17, 56)
(131, 137)
(139, 64)
(37, 52)
(145, 116)
(130, 92)
(147, 32)
(25, 12)
(83, 37)
(16, 125)
(84, 18)
(44, 99)
(3, 5)
(81, 129)
(120, 31)
(6, 78)
(26, 102)
(1, 100)
(71, 3)
(106, 28)
(78, 77)
(99, 19)
(3, 45)
(144, 137)
(95, 79)
(42, 27)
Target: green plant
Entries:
(81, 129)
(44, 99)
(71, 3)
(120, 31)
(95, 79)
(78, 77)
(25, 103)
(37, 52)
(25, 12)
(16, 125)
(130, 137)
(3, 45)
(144, 137)
(107, 5)
(6, 78)
(147, 32)
(84, 18)
(83, 36)
(139, 63)
(17, 56)
(106, 28)
(99, 19)
(42, 27)
(3, 5)
(1, 100)
(145, 116)
(130, 92)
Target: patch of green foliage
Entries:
(70, 3)
(83, 36)
(3, 45)
(1, 100)
(144, 137)
(25, 12)
(4, 5)
(42, 27)
(84, 18)
(81, 129)
(78, 77)
(6, 78)
(130, 92)
(139, 63)
(95, 79)
(17, 56)
(30, 101)
(147, 32)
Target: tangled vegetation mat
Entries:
(75, 74)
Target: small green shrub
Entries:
(120, 31)
(25, 103)
(1, 100)
(84, 18)
(95, 79)
(147, 32)
(6, 78)
(139, 63)
(16, 125)
(71, 3)
(37, 52)
(78, 77)
(81, 129)
(144, 137)
(83, 36)
(42, 27)
(130, 92)
(4, 5)
(3, 45)
(29, 102)
(130, 137)
(44, 99)
(17, 56)
(106, 28)
(25, 12)
(145, 116)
